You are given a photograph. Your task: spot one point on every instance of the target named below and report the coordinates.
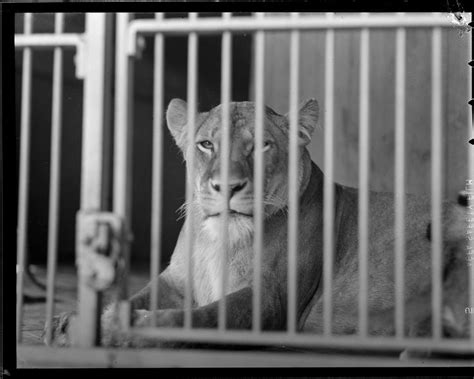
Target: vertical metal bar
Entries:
(258, 175)
(293, 179)
(22, 232)
(192, 108)
(363, 179)
(400, 181)
(91, 173)
(328, 246)
(436, 180)
(108, 117)
(226, 84)
(157, 179)
(123, 136)
(54, 188)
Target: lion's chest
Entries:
(208, 272)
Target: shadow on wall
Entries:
(174, 85)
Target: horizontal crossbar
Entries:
(46, 40)
(215, 25)
(43, 356)
(307, 340)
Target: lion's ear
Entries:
(177, 119)
(308, 119)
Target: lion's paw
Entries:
(61, 329)
(172, 318)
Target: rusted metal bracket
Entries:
(100, 236)
(101, 260)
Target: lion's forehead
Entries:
(242, 121)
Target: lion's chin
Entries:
(240, 231)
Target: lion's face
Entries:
(208, 187)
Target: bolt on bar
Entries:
(328, 195)
(259, 173)
(225, 155)
(400, 73)
(436, 181)
(363, 179)
(157, 179)
(22, 232)
(192, 94)
(293, 179)
(54, 189)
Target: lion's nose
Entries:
(234, 186)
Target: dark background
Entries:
(174, 85)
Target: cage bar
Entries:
(89, 305)
(91, 175)
(225, 154)
(192, 108)
(400, 73)
(363, 179)
(470, 167)
(436, 181)
(215, 25)
(259, 174)
(308, 340)
(92, 171)
(22, 232)
(328, 195)
(54, 188)
(123, 135)
(157, 174)
(293, 187)
(48, 40)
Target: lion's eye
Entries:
(205, 145)
(266, 145)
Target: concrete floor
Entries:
(34, 313)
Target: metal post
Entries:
(259, 174)
(22, 232)
(400, 73)
(436, 181)
(89, 306)
(123, 136)
(54, 188)
(328, 247)
(192, 105)
(226, 85)
(157, 179)
(293, 189)
(364, 166)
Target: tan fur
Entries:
(207, 249)
(345, 286)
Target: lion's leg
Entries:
(239, 313)
(169, 295)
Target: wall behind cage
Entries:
(382, 100)
(174, 169)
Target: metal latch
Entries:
(100, 237)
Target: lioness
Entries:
(208, 204)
